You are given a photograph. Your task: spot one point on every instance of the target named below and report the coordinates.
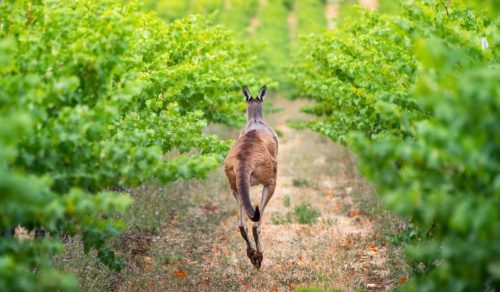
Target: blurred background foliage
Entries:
(93, 94)
(416, 95)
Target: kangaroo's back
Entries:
(253, 144)
(253, 155)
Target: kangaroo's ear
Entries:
(262, 93)
(246, 93)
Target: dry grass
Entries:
(184, 236)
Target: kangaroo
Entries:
(253, 161)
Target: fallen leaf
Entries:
(337, 207)
(372, 248)
(402, 279)
(210, 208)
(383, 244)
(355, 213)
(148, 260)
(216, 248)
(275, 290)
(329, 193)
(347, 242)
(180, 274)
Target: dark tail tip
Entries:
(256, 215)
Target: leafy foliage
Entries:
(417, 97)
(273, 31)
(310, 16)
(92, 96)
(237, 16)
(359, 75)
(305, 214)
(168, 10)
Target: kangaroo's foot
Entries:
(257, 259)
(250, 253)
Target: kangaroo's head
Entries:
(254, 105)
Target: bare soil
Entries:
(369, 4)
(292, 26)
(331, 13)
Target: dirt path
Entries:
(369, 4)
(331, 13)
(332, 8)
(198, 246)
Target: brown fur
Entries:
(252, 159)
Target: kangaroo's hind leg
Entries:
(244, 229)
(267, 193)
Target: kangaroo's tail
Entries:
(243, 184)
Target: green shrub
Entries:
(273, 31)
(204, 7)
(310, 16)
(92, 96)
(305, 214)
(168, 9)
(237, 16)
(300, 182)
(286, 201)
(278, 219)
(359, 76)
(417, 97)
